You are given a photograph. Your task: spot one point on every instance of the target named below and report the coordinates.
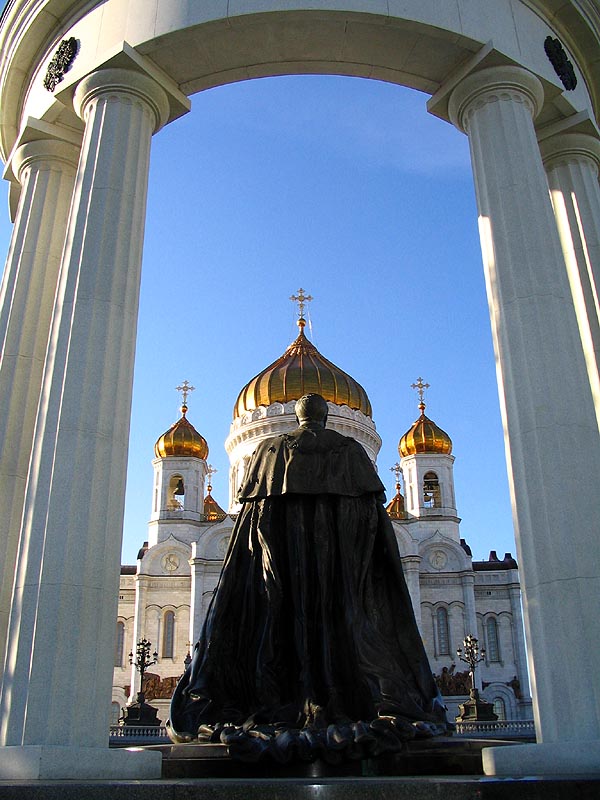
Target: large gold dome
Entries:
(424, 436)
(299, 371)
(182, 439)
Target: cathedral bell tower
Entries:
(427, 466)
(180, 470)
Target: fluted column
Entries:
(62, 624)
(551, 433)
(572, 161)
(46, 171)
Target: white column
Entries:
(139, 630)
(572, 161)
(62, 624)
(410, 567)
(468, 588)
(197, 615)
(46, 171)
(518, 639)
(551, 434)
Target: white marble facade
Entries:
(165, 596)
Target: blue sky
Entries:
(348, 188)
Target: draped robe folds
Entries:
(310, 646)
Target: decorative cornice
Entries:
(570, 148)
(492, 85)
(44, 151)
(122, 81)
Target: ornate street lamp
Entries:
(142, 661)
(472, 656)
(475, 709)
(141, 713)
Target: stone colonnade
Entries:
(541, 368)
(67, 388)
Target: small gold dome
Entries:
(182, 439)
(424, 436)
(396, 508)
(212, 510)
(299, 371)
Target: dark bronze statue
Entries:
(310, 647)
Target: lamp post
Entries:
(142, 662)
(141, 713)
(475, 709)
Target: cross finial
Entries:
(397, 470)
(210, 472)
(185, 389)
(301, 299)
(420, 387)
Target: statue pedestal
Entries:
(141, 713)
(476, 709)
(50, 762)
(553, 758)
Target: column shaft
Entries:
(62, 626)
(518, 640)
(46, 171)
(468, 587)
(410, 566)
(571, 161)
(551, 434)
(141, 590)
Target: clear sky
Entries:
(349, 189)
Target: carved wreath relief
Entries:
(61, 63)
(562, 66)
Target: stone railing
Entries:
(137, 733)
(499, 729)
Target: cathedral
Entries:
(165, 596)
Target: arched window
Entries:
(443, 634)
(120, 645)
(432, 496)
(176, 495)
(499, 708)
(168, 641)
(493, 648)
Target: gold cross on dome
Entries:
(185, 389)
(397, 470)
(301, 299)
(420, 386)
(210, 472)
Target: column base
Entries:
(48, 762)
(554, 758)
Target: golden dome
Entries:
(212, 510)
(396, 508)
(299, 371)
(424, 436)
(182, 439)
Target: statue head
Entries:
(311, 408)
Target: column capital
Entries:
(43, 150)
(126, 82)
(568, 147)
(490, 85)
